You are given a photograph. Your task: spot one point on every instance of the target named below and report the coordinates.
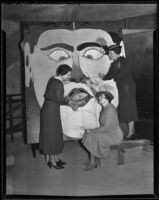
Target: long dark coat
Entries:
(127, 108)
(51, 134)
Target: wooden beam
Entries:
(142, 22)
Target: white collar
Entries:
(56, 77)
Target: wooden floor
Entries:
(31, 176)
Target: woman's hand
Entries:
(68, 99)
(89, 83)
(73, 105)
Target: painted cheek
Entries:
(89, 67)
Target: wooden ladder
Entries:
(15, 111)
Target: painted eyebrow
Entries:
(62, 45)
(88, 44)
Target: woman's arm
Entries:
(59, 95)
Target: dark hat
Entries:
(116, 37)
(107, 94)
(116, 48)
(112, 47)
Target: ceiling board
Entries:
(74, 12)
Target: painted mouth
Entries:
(79, 96)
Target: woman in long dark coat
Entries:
(51, 134)
(127, 108)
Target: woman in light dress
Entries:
(98, 141)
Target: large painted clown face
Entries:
(81, 50)
(78, 49)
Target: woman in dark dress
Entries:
(127, 109)
(51, 134)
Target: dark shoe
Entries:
(98, 162)
(50, 164)
(60, 162)
(87, 162)
(131, 137)
(46, 158)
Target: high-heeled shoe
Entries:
(86, 162)
(46, 158)
(60, 162)
(56, 166)
(90, 167)
(98, 162)
(131, 137)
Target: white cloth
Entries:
(74, 123)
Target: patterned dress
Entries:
(99, 140)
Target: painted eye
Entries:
(59, 55)
(93, 54)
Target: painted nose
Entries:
(76, 73)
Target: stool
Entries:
(126, 152)
(115, 157)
